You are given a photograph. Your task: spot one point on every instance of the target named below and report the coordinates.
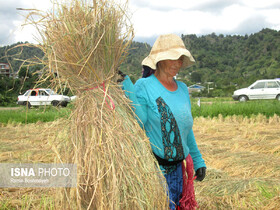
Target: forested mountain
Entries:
(229, 62)
(17, 53)
(240, 60)
(132, 65)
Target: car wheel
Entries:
(278, 97)
(55, 103)
(243, 98)
(64, 104)
(27, 104)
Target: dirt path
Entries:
(9, 108)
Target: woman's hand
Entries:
(200, 173)
(121, 76)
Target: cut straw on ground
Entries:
(242, 156)
(241, 185)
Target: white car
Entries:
(261, 89)
(42, 96)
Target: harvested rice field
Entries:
(26, 144)
(243, 160)
(242, 156)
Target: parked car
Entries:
(261, 89)
(42, 96)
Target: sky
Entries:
(151, 18)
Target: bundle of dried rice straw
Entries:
(84, 43)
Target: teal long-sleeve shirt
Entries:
(166, 117)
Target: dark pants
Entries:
(175, 186)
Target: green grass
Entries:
(225, 108)
(210, 107)
(33, 115)
(216, 99)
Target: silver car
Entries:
(261, 89)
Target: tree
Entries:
(196, 77)
(24, 73)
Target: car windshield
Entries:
(27, 93)
(51, 92)
(259, 85)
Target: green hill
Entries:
(15, 55)
(227, 60)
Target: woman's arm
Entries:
(198, 161)
(138, 101)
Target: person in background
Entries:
(163, 109)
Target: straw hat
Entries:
(168, 47)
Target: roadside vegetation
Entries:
(227, 107)
(209, 107)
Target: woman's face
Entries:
(170, 67)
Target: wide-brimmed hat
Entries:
(168, 47)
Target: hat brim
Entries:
(173, 54)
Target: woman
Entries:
(162, 105)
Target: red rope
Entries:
(112, 107)
(188, 202)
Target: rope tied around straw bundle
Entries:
(106, 95)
